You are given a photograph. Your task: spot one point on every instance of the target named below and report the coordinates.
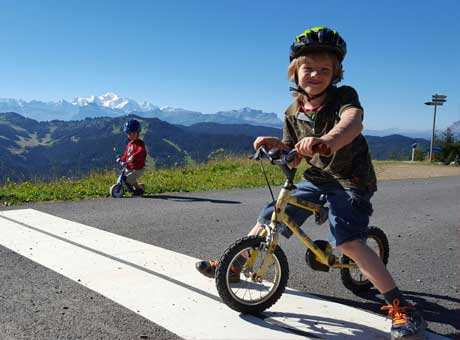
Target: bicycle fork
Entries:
(271, 235)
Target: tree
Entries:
(419, 154)
(450, 148)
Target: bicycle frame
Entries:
(279, 216)
(122, 177)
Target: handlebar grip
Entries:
(322, 149)
(291, 155)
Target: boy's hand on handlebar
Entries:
(308, 146)
(269, 143)
(117, 160)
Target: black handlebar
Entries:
(275, 156)
(284, 157)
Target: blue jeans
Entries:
(349, 210)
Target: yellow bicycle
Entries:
(262, 264)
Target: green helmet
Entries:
(318, 38)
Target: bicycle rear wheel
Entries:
(353, 279)
(251, 294)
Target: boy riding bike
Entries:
(134, 155)
(323, 113)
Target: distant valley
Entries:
(30, 149)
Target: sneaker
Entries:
(208, 269)
(407, 322)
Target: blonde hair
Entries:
(295, 64)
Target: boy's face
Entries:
(316, 73)
(133, 135)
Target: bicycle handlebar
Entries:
(123, 164)
(284, 157)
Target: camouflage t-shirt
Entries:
(351, 166)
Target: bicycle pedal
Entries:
(312, 260)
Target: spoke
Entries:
(242, 286)
(249, 290)
(244, 293)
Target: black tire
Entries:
(116, 191)
(223, 280)
(362, 284)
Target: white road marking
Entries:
(164, 287)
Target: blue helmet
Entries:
(132, 125)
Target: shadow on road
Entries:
(432, 312)
(315, 327)
(189, 199)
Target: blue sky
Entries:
(220, 55)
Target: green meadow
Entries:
(227, 173)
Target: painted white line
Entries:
(164, 287)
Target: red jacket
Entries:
(137, 152)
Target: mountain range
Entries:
(113, 105)
(31, 149)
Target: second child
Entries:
(134, 155)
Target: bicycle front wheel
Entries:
(238, 277)
(116, 190)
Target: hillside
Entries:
(394, 146)
(43, 150)
(31, 149)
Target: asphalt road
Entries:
(421, 218)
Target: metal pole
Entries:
(432, 135)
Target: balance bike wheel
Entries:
(116, 191)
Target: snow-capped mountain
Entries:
(108, 104)
(112, 105)
(250, 116)
(113, 101)
(38, 110)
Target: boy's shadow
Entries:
(315, 327)
(432, 312)
(189, 199)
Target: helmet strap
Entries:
(309, 97)
(302, 91)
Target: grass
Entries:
(228, 173)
